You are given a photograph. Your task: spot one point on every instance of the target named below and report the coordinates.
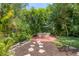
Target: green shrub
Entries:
(5, 45)
(23, 36)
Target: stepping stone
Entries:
(40, 43)
(31, 49)
(40, 46)
(27, 55)
(77, 53)
(32, 45)
(34, 42)
(41, 51)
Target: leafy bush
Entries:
(23, 36)
(5, 45)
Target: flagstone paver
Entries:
(41, 51)
(32, 45)
(34, 42)
(77, 53)
(41, 46)
(27, 55)
(31, 49)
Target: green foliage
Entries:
(10, 25)
(58, 44)
(64, 19)
(69, 41)
(5, 45)
(23, 36)
(58, 19)
(37, 20)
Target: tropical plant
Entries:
(5, 45)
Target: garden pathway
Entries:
(40, 47)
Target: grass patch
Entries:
(69, 41)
